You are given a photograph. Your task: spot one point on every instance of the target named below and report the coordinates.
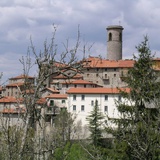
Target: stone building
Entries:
(108, 73)
(19, 84)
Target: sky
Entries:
(21, 20)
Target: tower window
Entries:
(110, 36)
(120, 37)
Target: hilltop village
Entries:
(99, 80)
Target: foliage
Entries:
(71, 151)
(10, 140)
(63, 127)
(137, 133)
(95, 120)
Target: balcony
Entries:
(52, 110)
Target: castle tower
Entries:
(114, 42)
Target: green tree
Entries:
(95, 120)
(137, 133)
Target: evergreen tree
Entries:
(95, 124)
(137, 133)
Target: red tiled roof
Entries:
(9, 100)
(57, 96)
(13, 110)
(96, 90)
(52, 90)
(126, 63)
(15, 84)
(95, 62)
(41, 101)
(22, 77)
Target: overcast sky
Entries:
(22, 19)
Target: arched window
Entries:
(110, 36)
(120, 37)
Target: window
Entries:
(63, 101)
(105, 108)
(114, 75)
(92, 103)
(82, 97)
(74, 107)
(110, 36)
(87, 75)
(51, 102)
(87, 69)
(97, 69)
(106, 97)
(74, 97)
(120, 37)
(105, 69)
(119, 98)
(97, 75)
(115, 69)
(105, 75)
(82, 107)
(84, 85)
(75, 86)
(66, 85)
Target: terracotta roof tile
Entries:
(95, 62)
(15, 84)
(10, 100)
(41, 101)
(96, 90)
(22, 77)
(13, 111)
(57, 96)
(52, 90)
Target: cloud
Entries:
(20, 20)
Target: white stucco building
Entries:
(81, 101)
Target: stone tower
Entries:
(114, 42)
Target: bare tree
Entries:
(30, 142)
